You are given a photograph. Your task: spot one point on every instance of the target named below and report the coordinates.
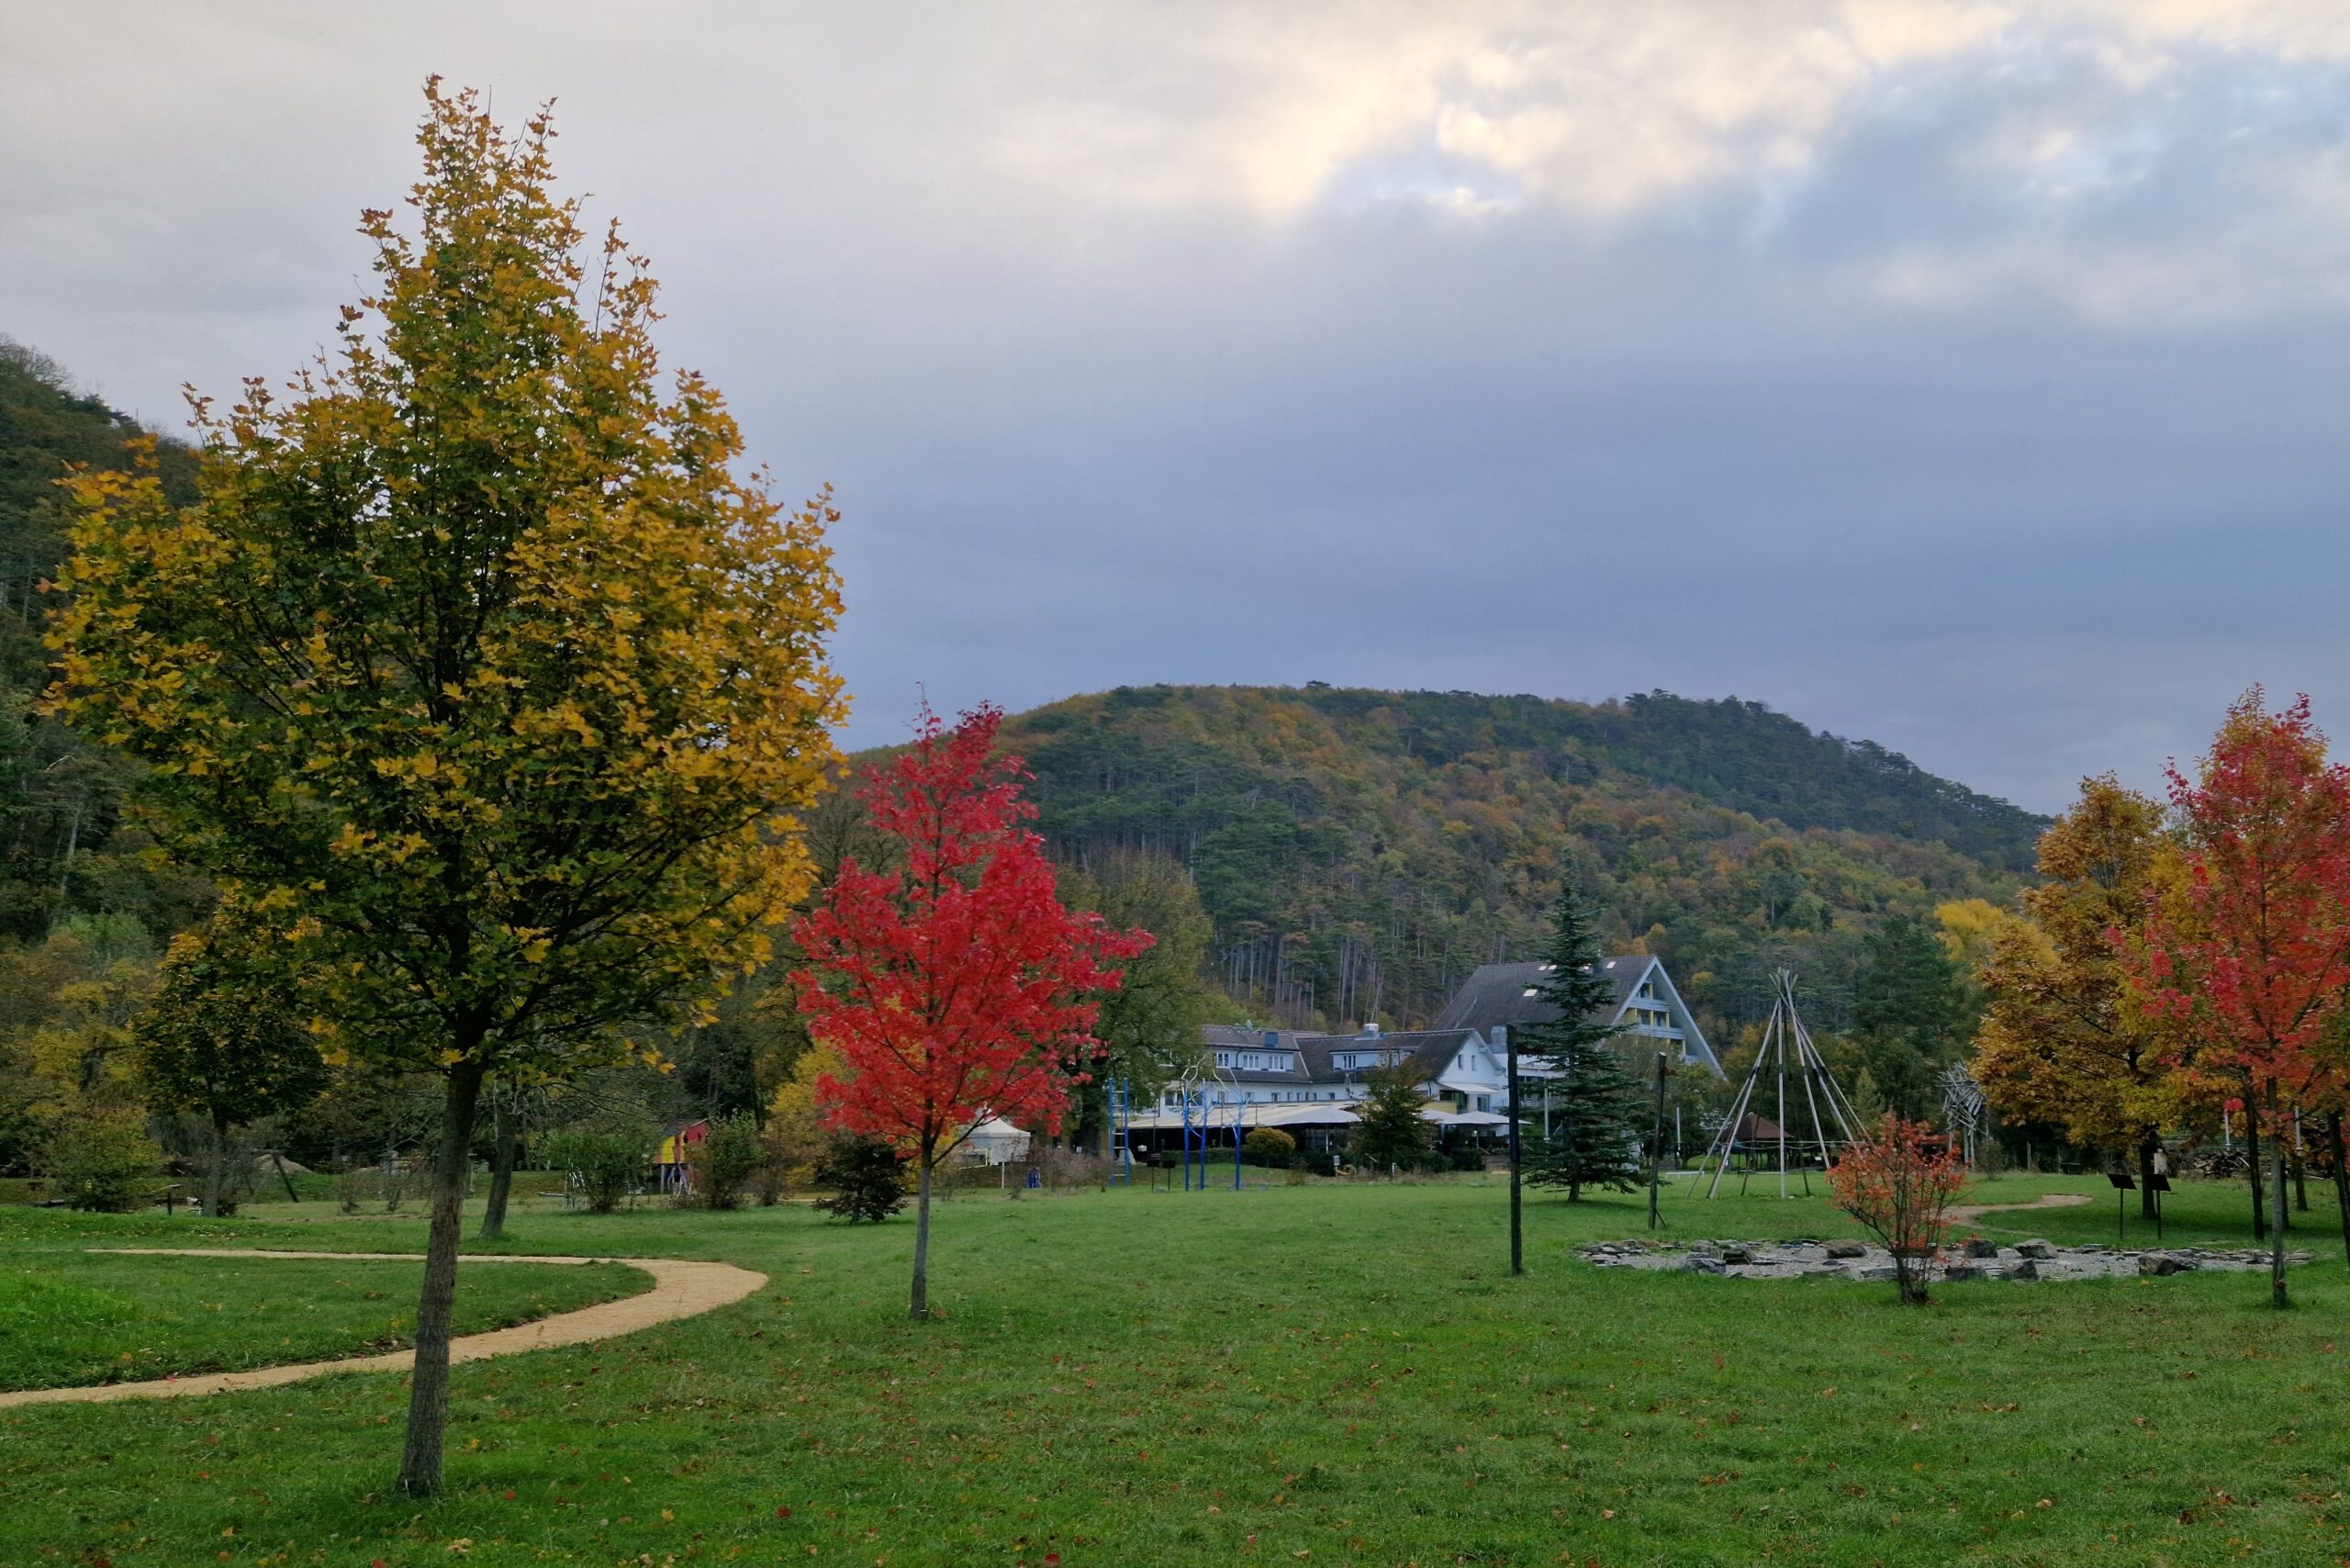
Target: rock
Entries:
(1872, 1274)
(1737, 1254)
(1958, 1272)
(1978, 1247)
(1702, 1263)
(2026, 1270)
(1847, 1249)
(2036, 1248)
(2162, 1263)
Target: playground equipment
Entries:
(1785, 1043)
(1963, 1108)
(1122, 1111)
(1199, 1120)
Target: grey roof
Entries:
(1431, 1050)
(1496, 994)
(1242, 1037)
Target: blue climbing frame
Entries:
(1122, 1156)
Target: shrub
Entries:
(103, 1159)
(724, 1161)
(608, 1162)
(1896, 1186)
(867, 1177)
(353, 1186)
(1268, 1146)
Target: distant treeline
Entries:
(1360, 852)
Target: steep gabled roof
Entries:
(1500, 995)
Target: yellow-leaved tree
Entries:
(476, 664)
(2062, 1041)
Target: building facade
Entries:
(1309, 1085)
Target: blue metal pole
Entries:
(1187, 1141)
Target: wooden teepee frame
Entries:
(1786, 1044)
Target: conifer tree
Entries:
(1595, 1110)
(1392, 1131)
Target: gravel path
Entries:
(1964, 1212)
(682, 1287)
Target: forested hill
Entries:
(1361, 851)
(60, 798)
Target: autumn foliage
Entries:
(2250, 954)
(1899, 1182)
(953, 984)
(2064, 1041)
(478, 666)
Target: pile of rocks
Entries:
(1973, 1260)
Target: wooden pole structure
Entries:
(1783, 1110)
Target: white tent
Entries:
(996, 1141)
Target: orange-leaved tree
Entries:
(955, 985)
(1898, 1184)
(474, 667)
(2064, 1039)
(2252, 953)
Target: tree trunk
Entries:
(427, 1399)
(2146, 1193)
(2251, 1152)
(2276, 1292)
(215, 1172)
(2341, 1181)
(505, 1148)
(919, 1308)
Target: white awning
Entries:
(1465, 1118)
(1300, 1114)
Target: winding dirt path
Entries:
(682, 1287)
(1964, 1212)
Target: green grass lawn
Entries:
(69, 1317)
(1317, 1375)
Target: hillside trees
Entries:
(2064, 1040)
(953, 984)
(1360, 852)
(473, 665)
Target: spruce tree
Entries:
(1595, 1110)
(1392, 1131)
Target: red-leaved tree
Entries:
(1898, 1185)
(2251, 952)
(954, 986)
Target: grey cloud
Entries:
(1975, 391)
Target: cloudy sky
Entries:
(1970, 376)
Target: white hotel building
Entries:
(1308, 1085)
